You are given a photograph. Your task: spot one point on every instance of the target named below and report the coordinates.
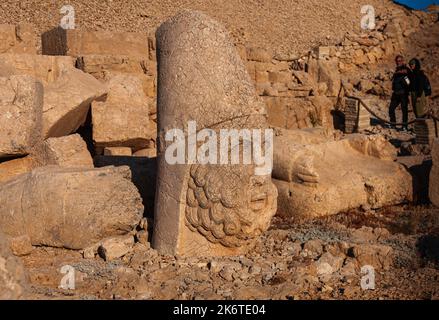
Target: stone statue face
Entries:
(229, 204)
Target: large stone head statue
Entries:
(206, 208)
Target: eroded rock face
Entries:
(70, 207)
(122, 119)
(206, 209)
(21, 106)
(12, 276)
(327, 177)
(434, 174)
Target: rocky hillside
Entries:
(288, 27)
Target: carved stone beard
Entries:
(228, 204)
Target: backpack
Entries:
(427, 86)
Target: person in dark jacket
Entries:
(400, 88)
(419, 88)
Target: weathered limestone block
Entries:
(144, 174)
(13, 282)
(17, 38)
(70, 207)
(46, 69)
(434, 174)
(277, 111)
(322, 115)
(21, 109)
(10, 169)
(103, 67)
(97, 65)
(68, 151)
(67, 101)
(206, 210)
(149, 153)
(118, 151)
(68, 92)
(122, 119)
(329, 74)
(329, 177)
(77, 43)
(299, 113)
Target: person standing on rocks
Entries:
(400, 88)
(420, 88)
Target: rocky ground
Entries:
(316, 260)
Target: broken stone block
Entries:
(103, 67)
(328, 73)
(434, 174)
(117, 151)
(144, 173)
(206, 210)
(70, 207)
(68, 151)
(46, 69)
(21, 109)
(309, 183)
(17, 38)
(99, 65)
(122, 119)
(322, 116)
(115, 248)
(13, 282)
(12, 168)
(77, 43)
(68, 92)
(149, 153)
(67, 101)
